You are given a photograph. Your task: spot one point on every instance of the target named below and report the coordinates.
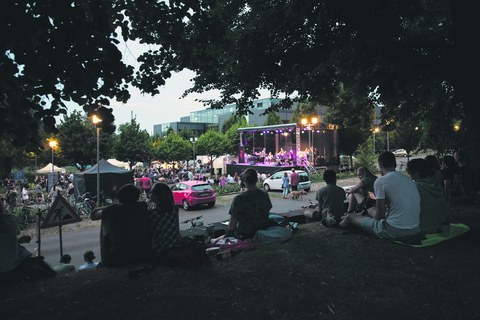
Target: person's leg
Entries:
(352, 203)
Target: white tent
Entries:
(120, 164)
(48, 169)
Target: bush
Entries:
(228, 188)
(366, 157)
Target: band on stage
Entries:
(284, 158)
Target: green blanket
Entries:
(456, 229)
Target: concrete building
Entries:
(200, 121)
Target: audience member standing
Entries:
(294, 180)
(285, 185)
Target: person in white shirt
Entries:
(397, 211)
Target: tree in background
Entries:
(407, 135)
(173, 148)
(211, 144)
(234, 119)
(77, 141)
(272, 119)
(133, 144)
(354, 115)
(411, 52)
(304, 109)
(366, 157)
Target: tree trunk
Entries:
(467, 84)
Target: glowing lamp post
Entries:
(375, 130)
(96, 120)
(52, 143)
(309, 125)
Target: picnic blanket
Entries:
(456, 229)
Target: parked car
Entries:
(193, 193)
(400, 153)
(274, 182)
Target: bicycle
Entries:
(194, 222)
(26, 219)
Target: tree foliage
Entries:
(52, 52)
(211, 144)
(414, 53)
(77, 140)
(133, 144)
(234, 119)
(173, 148)
(272, 119)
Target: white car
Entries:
(400, 153)
(274, 182)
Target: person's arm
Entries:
(232, 224)
(355, 188)
(381, 209)
(96, 214)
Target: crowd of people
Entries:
(393, 206)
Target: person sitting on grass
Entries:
(124, 233)
(397, 211)
(16, 262)
(433, 206)
(64, 266)
(330, 201)
(249, 211)
(359, 192)
(165, 231)
(89, 264)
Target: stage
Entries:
(260, 167)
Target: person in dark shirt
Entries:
(466, 173)
(124, 236)
(250, 210)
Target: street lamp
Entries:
(52, 143)
(375, 130)
(96, 120)
(309, 124)
(193, 140)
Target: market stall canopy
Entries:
(111, 179)
(120, 164)
(48, 169)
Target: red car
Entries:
(193, 193)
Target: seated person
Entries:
(432, 200)
(17, 263)
(330, 200)
(359, 192)
(165, 232)
(250, 210)
(124, 236)
(89, 264)
(64, 266)
(397, 211)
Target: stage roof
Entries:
(272, 127)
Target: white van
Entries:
(274, 182)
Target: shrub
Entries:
(228, 188)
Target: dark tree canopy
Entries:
(54, 52)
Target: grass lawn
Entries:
(319, 274)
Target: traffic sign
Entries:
(60, 213)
